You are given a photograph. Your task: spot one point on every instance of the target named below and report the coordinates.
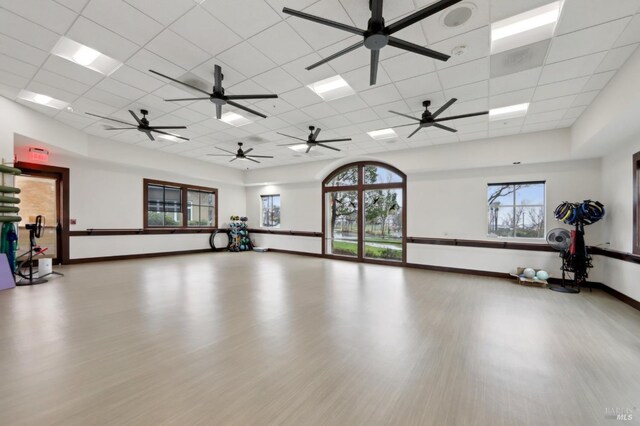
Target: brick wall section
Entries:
(37, 196)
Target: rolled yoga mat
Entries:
(10, 219)
(11, 170)
(9, 209)
(9, 189)
(10, 200)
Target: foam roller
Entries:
(12, 170)
(9, 209)
(10, 219)
(9, 189)
(10, 200)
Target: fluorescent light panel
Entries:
(526, 28)
(511, 111)
(86, 56)
(382, 134)
(299, 148)
(234, 119)
(41, 99)
(332, 88)
(170, 138)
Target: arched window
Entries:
(364, 212)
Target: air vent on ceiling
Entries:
(519, 59)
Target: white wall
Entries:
(106, 182)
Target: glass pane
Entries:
(500, 195)
(173, 219)
(206, 198)
(155, 218)
(342, 223)
(172, 195)
(345, 178)
(194, 215)
(530, 194)
(155, 193)
(505, 220)
(377, 174)
(383, 224)
(193, 196)
(530, 222)
(206, 216)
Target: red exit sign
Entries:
(38, 154)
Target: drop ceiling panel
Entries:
(61, 82)
(469, 91)
(205, 31)
(512, 82)
(407, 65)
(75, 5)
(469, 72)
(561, 88)
(163, 11)
(17, 67)
(176, 49)
(133, 77)
(579, 14)
(276, 80)
(420, 85)
(573, 68)
(48, 14)
(251, 18)
(587, 41)
(281, 43)
(631, 34)
(96, 37)
(247, 58)
(21, 51)
(54, 92)
(72, 70)
(359, 79)
(319, 36)
(26, 31)
(475, 44)
(598, 81)
(616, 58)
(123, 19)
(561, 103)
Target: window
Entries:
(636, 203)
(516, 209)
(169, 204)
(270, 211)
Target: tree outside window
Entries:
(516, 209)
(270, 211)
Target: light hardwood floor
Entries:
(253, 339)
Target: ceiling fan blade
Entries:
(260, 156)
(140, 123)
(402, 125)
(292, 137)
(455, 117)
(443, 107)
(315, 134)
(239, 97)
(218, 155)
(111, 119)
(411, 47)
(308, 149)
(440, 126)
(167, 127)
(119, 128)
(373, 72)
(187, 99)
(248, 151)
(415, 131)
(376, 9)
(329, 147)
(232, 153)
(233, 159)
(246, 109)
(334, 140)
(324, 21)
(420, 15)
(404, 115)
(289, 144)
(149, 135)
(251, 159)
(336, 55)
(180, 82)
(218, 111)
(217, 78)
(169, 134)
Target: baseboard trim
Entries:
(299, 253)
(134, 256)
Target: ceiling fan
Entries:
(143, 125)
(378, 35)
(240, 154)
(430, 119)
(312, 140)
(217, 96)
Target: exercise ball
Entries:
(529, 273)
(542, 275)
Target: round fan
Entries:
(559, 239)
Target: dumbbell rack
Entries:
(239, 236)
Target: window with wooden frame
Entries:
(177, 205)
(636, 203)
(516, 209)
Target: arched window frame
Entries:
(360, 187)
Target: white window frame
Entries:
(262, 197)
(514, 206)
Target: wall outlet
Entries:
(72, 221)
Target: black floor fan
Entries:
(35, 231)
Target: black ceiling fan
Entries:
(430, 119)
(312, 140)
(217, 96)
(378, 35)
(143, 125)
(240, 154)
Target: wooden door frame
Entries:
(360, 188)
(62, 194)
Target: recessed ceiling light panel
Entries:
(41, 99)
(235, 119)
(299, 148)
(332, 88)
(382, 134)
(525, 28)
(511, 111)
(86, 56)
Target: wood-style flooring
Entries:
(267, 338)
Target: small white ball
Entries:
(529, 273)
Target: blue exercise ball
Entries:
(542, 275)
